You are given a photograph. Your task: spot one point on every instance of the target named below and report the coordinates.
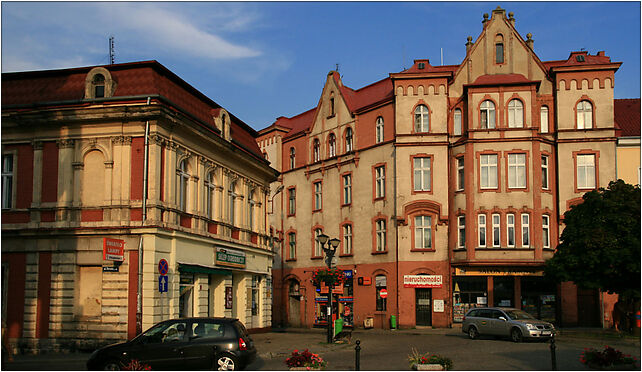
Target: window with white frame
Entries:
(487, 115)
(423, 232)
(586, 171)
(481, 227)
(496, 230)
(318, 194)
(380, 182)
(332, 146)
(291, 201)
(546, 236)
(422, 119)
(510, 230)
(381, 235)
(182, 181)
(316, 151)
(210, 190)
(347, 189)
(230, 202)
(7, 181)
(515, 114)
(584, 115)
(251, 204)
(349, 139)
(517, 171)
(292, 244)
(347, 239)
(318, 249)
(543, 119)
(379, 130)
(461, 232)
(292, 157)
(457, 122)
(488, 171)
(460, 173)
(545, 184)
(421, 173)
(526, 230)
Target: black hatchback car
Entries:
(182, 344)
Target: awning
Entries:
(201, 269)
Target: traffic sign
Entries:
(162, 283)
(163, 266)
(383, 293)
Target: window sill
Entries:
(422, 250)
(346, 205)
(347, 255)
(380, 252)
(290, 260)
(459, 249)
(504, 249)
(291, 215)
(316, 210)
(316, 257)
(379, 198)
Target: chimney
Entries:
(469, 44)
(529, 41)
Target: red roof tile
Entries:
(627, 116)
(297, 123)
(584, 59)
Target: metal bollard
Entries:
(357, 357)
(553, 357)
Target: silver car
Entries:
(506, 322)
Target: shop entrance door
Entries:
(423, 298)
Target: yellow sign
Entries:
(496, 272)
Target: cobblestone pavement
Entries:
(388, 350)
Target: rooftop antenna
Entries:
(337, 67)
(442, 56)
(111, 49)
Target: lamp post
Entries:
(330, 250)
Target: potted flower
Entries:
(330, 277)
(608, 359)
(305, 361)
(135, 365)
(429, 362)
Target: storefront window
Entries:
(468, 292)
(255, 294)
(538, 297)
(346, 300)
(186, 300)
(504, 291)
(342, 303)
(380, 283)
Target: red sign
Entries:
(338, 289)
(113, 249)
(383, 293)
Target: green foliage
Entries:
(609, 357)
(600, 244)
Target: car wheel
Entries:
(516, 335)
(112, 365)
(226, 362)
(472, 332)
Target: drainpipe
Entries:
(139, 297)
(394, 174)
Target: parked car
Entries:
(182, 344)
(507, 322)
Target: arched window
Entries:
(515, 114)
(379, 130)
(457, 120)
(292, 158)
(316, 151)
(584, 115)
(499, 49)
(543, 120)
(99, 85)
(93, 179)
(422, 124)
(182, 180)
(348, 139)
(332, 146)
(318, 250)
(380, 284)
(210, 189)
(487, 115)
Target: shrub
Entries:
(608, 357)
(305, 359)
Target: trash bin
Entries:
(393, 322)
(338, 326)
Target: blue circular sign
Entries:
(163, 267)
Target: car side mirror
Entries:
(502, 318)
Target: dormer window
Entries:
(579, 58)
(99, 86)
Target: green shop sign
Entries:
(229, 257)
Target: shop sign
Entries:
(482, 300)
(321, 299)
(364, 280)
(337, 289)
(438, 306)
(496, 272)
(422, 281)
(325, 289)
(111, 269)
(347, 274)
(346, 299)
(113, 249)
(228, 297)
(229, 257)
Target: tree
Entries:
(600, 245)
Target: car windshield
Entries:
(518, 315)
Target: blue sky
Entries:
(262, 60)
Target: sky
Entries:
(262, 60)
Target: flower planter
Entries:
(615, 367)
(304, 369)
(428, 367)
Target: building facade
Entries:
(446, 185)
(90, 238)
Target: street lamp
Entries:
(330, 250)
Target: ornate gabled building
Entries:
(446, 185)
(90, 239)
